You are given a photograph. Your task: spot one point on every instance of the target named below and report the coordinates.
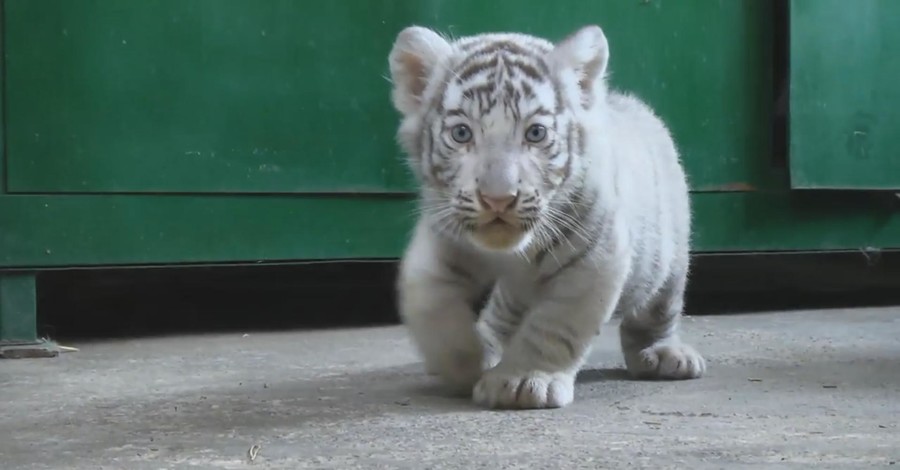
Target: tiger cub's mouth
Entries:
(499, 233)
(490, 219)
(497, 221)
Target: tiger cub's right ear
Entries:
(581, 59)
(416, 53)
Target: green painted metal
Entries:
(201, 96)
(83, 230)
(43, 231)
(844, 91)
(236, 104)
(206, 96)
(3, 91)
(18, 318)
(18, 308)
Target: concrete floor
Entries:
(785, 389)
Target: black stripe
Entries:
(572, 261)
(455, 173)
(575, 213)
(570, 209)
(505, 305)
(564, 233)
(558, 96)
(511, 102)
(527, 90)
(567, 168)
(539, 111)
(516, 111)
(441, 163)
(510, 90)
(580, 139)
(547, 337)
(520, 388)
(446, 146)
(548, 173)
(438, 100)
(507, 47)
(514, 48)
(486, 88)
(474, 69)
(431, 163)
(504, 330)
(568, 339)
(459, 271)
(529, 70)
(509, 50)
(563, 339)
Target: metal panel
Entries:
(200, 96)
(86, 230)
(18, 308)
(844, 90)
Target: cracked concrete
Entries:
(784, 389)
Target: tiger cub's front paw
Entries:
(524, 389)
(675, 361)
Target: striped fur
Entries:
(564, 200)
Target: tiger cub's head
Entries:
(490, 126)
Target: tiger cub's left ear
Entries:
(580, 60)
(416, 53)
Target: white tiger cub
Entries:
(563, 200)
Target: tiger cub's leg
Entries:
(435, 303)
(499, 321)
(539, 364)
(650, 341)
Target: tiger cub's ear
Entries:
(580, 61)
(416, 53)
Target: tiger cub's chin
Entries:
(499, 236)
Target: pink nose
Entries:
(498, 204)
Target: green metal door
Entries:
(844, 94)
(289, 96)
(219, 101)
(200, 96)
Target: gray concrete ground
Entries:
(784, 390)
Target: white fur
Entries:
(635, 237)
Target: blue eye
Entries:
(535, 133)
(461, 133)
